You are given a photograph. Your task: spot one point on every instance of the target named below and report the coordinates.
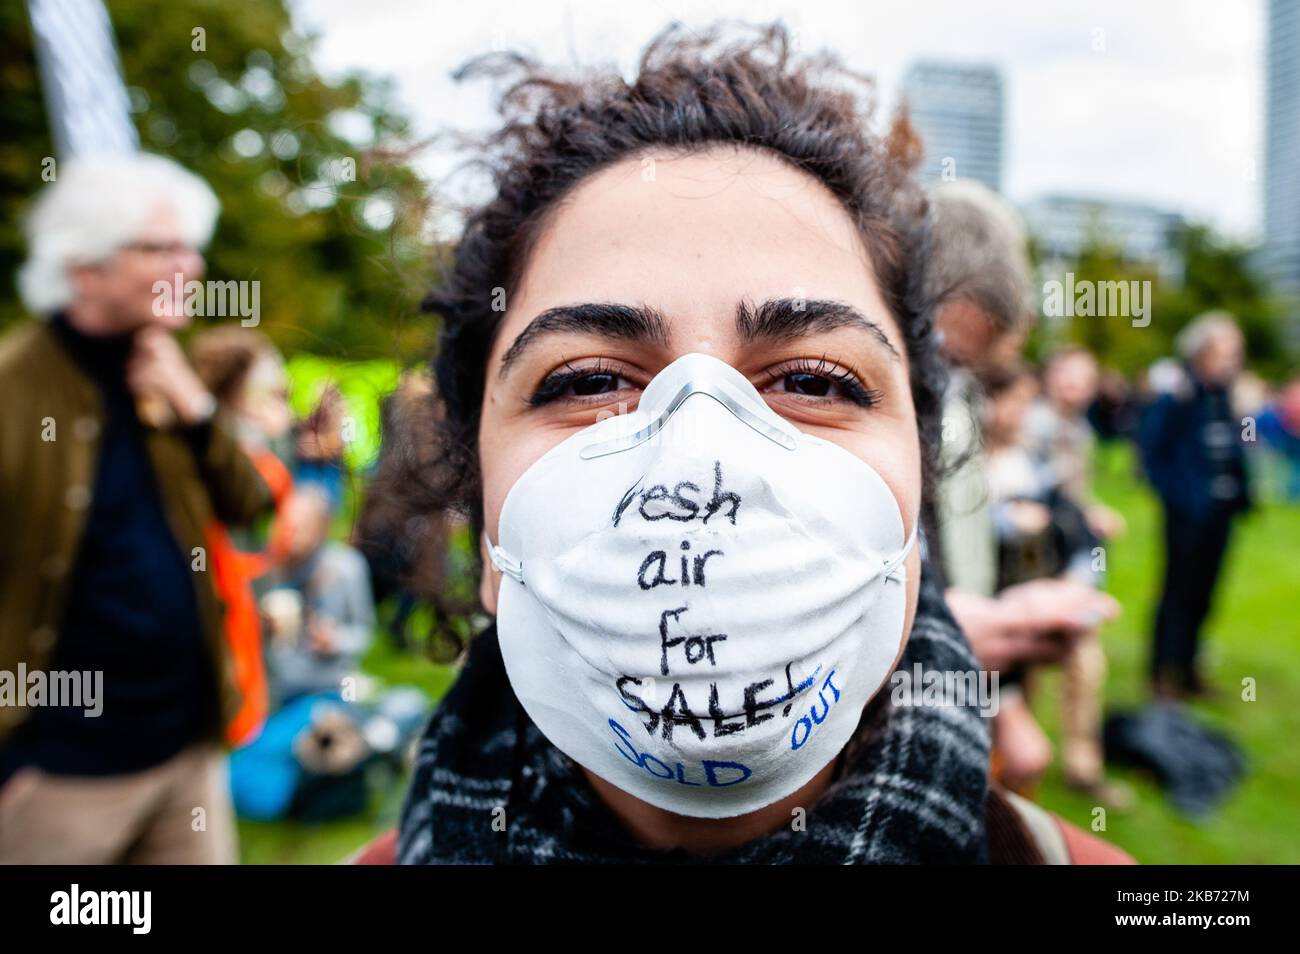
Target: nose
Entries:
(696, 376)
(191, 262)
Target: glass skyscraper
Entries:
(958, 110)
(1281, 253)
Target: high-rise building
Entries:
(1280, 257)
(957, 109)
(1063, 226)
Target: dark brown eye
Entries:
(822, 381)
(595, 384)
(576, 383)
(800, 382)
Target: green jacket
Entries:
(51, 417)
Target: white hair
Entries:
(1192, 340)
(979, 253)
(98, 204)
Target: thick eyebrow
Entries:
(629, 322)
(785, 318)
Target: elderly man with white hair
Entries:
(1191, 444)
(115, 465)
(979, 281)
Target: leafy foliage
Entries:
(1216, 274)
(318, 203)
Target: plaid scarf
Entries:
(489, 788)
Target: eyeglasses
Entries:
(161, 248)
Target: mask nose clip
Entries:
(714, 389)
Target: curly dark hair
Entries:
(692, 91)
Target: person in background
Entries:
(978, 279)
(1113, 414)
(1279, 428)
(1018, 484)
(1191, 447)
(320, 442)
(115, 462)
(245, 373)
(1043, 533)
(978, 282)
(407, 544)
(319, 608)
(1058, 435)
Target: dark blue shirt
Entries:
(1192, 451)
(132, 609)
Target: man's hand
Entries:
(1001, 641)
(1035, 622)
(1104, 522)
(157, 369)
(321, 638)
(1056, 603)
(1028, 517)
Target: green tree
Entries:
(318, 202)
(1216, 274)
(1114, 339)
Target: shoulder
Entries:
(1169, 382)
(1040, 420)
(1088, 849)
(23, 349)
(1021, 832)
(345, 560)
(1164, 412)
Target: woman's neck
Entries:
(664, 830)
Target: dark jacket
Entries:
(51, 420)
(1191, 449)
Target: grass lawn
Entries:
(1253, 633)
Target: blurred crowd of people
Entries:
(1022, 538)
(201, 569)
(149, 553)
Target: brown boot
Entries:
(1169, 688)
(1108, 793)
(1198, 688)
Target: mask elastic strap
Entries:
(503, 561)
(897, 561)
(515, 569)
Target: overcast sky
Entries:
(1169, 111)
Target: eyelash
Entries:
(553, 386)
(854, 390)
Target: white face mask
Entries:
(699, 598)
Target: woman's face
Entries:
(678, 244)
(1006, 412)
(264, 401)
